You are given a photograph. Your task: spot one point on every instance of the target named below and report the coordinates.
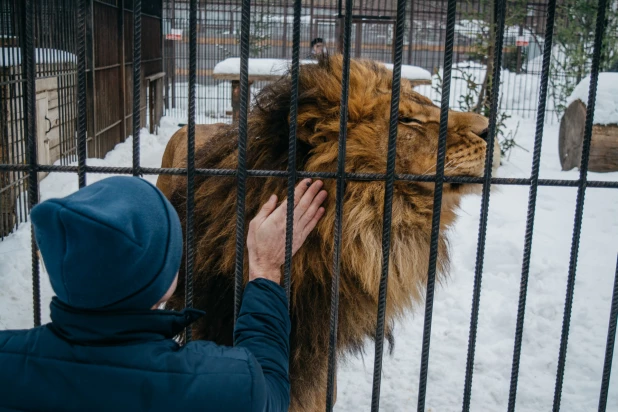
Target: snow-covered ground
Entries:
(500, 289)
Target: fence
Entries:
(109, 36)
(30, 167)
(372, 36)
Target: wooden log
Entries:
(603, 146)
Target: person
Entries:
(112, 251)
(317, 48)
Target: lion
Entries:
(361, 254)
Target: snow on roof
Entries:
(474, 27)
(260, 67)
(606, 107)
(411, 72)
(11, 56)
(257, 67)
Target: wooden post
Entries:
(339, 33)
(236, 99)
(312, 30)
(519, 50)
(358, 46)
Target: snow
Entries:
(288, 19)
(411, 72)
(452, 304)
(606, 107)
(473, 28)
(11, 56)
(279, 67)
(257, 67)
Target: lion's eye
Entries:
(409, 120)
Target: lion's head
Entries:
(369, 106)
(317, 146)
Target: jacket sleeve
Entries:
(263, 328)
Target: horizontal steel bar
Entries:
(318, 175)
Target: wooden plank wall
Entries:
(110, 69)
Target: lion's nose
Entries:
(484, 134)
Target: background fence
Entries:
(21, 165)
(372, 36)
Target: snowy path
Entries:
(501, 278)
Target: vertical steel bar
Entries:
(388, 203)
(292, 146)
(581, 192)
(609, 346)
(62, 103)
(411, 32)
(28, 62)
(500, 7)
(190, 242)
(137, 83)
(343, 131)
(437, 200)
(81, 92)
(90, 43)
(241, 181)
(123, 68)
(534, 179)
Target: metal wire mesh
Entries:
(25, 171)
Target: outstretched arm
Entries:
(263, 325)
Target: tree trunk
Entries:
(484, 100)
(603, 146)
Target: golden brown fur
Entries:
(318, 123)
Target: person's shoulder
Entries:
(17, 337)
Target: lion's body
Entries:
(361, 258)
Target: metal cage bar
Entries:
(609, 346)
(289, 223)
(581, 192)
(241, 176)
(190, 226)
(437, 203)
(365, 177)
(81, 91)
(389, 187)
(534, 180)
(500, 10)
(343, 131)
(29, 104)
(137, 83)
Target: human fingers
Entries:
(300, 190)
(313, 208)
(307, 199)
(266, 209)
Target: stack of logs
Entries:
(603, 146)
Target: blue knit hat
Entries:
(115, 244)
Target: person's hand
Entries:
(266, 238)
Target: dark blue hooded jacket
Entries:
(123, 360)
